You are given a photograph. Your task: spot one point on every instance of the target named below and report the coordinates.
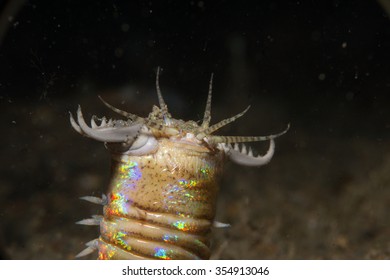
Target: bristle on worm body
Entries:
(165, 172)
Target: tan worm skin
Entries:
(162, 205)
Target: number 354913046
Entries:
(224, 270)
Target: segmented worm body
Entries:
(165, 172)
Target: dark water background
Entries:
(322, 66)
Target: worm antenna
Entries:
(243, 139)
(130, 116)
(222, 123)
(207, 111)
(163, 106)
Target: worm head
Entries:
(140, 136)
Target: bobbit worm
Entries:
(162, 193)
